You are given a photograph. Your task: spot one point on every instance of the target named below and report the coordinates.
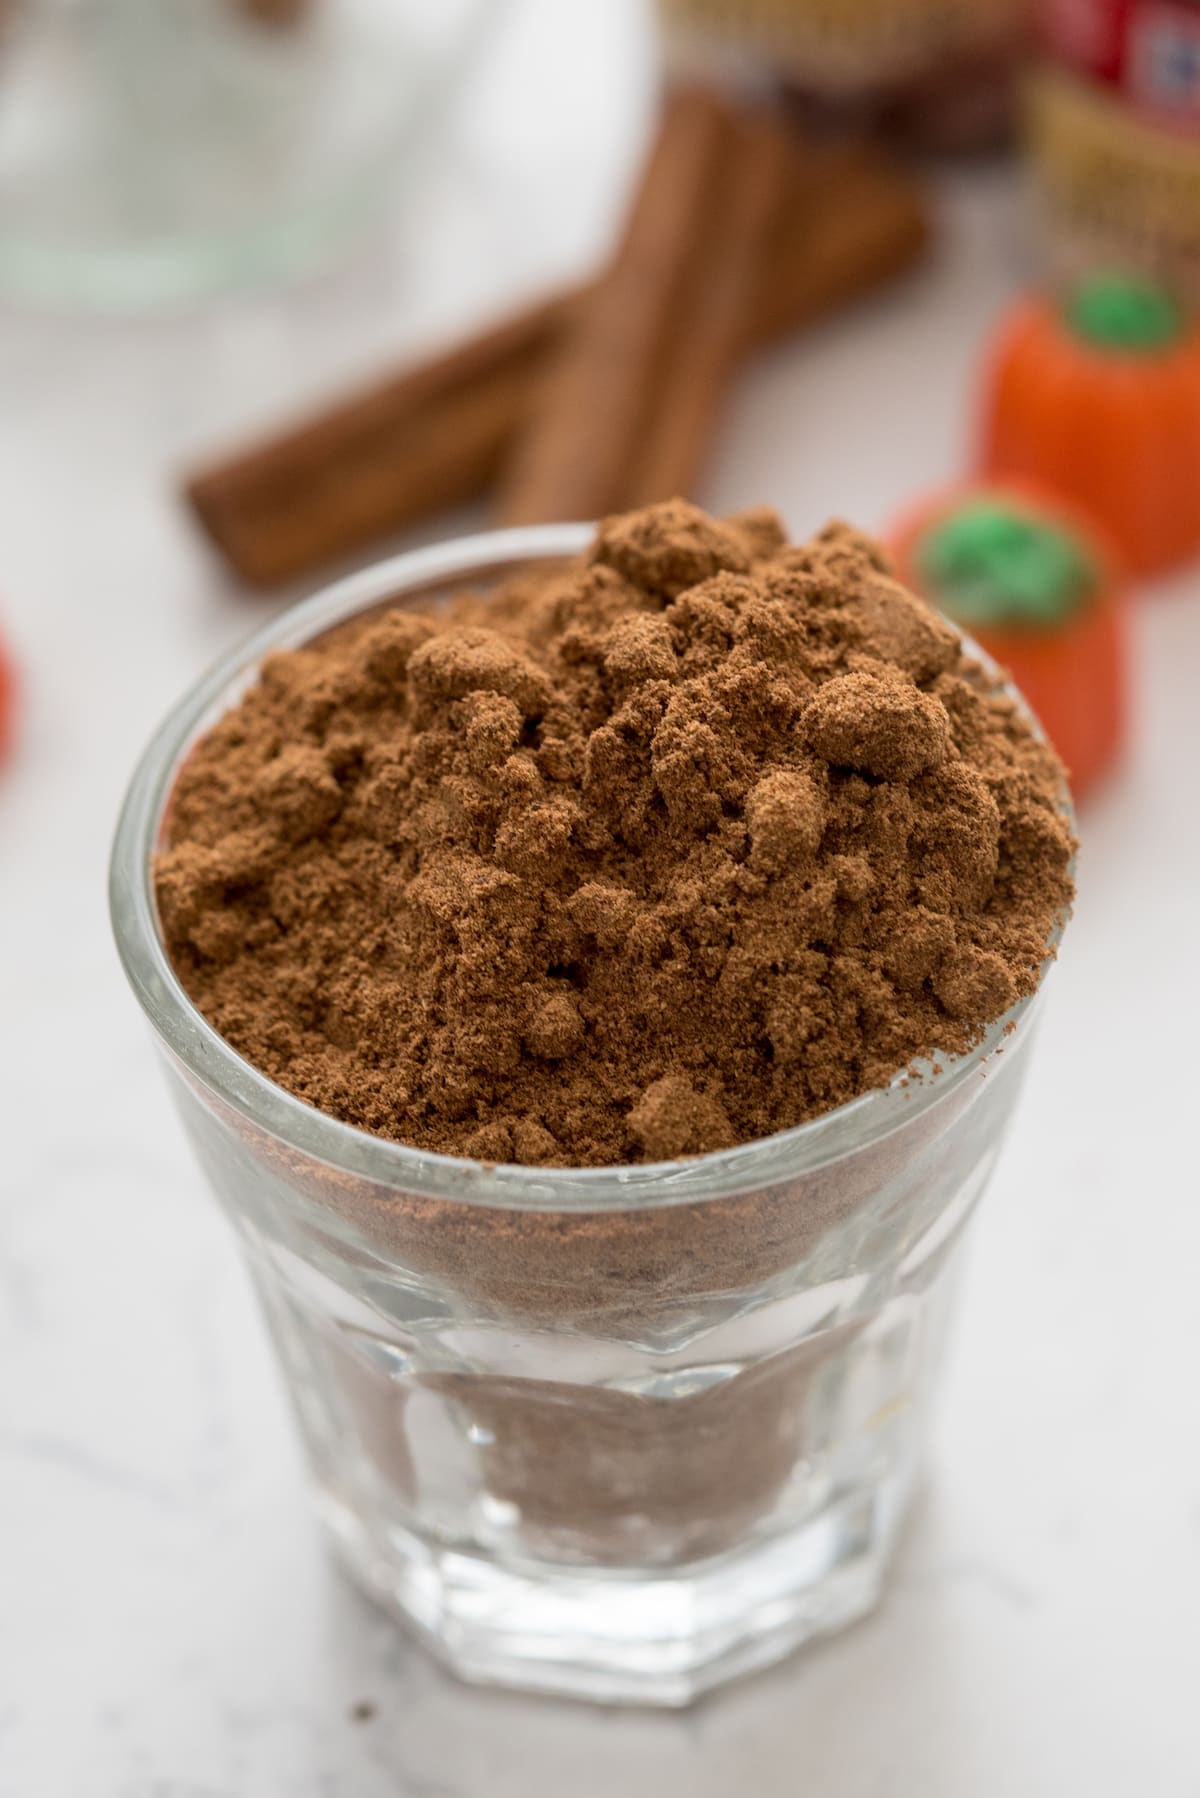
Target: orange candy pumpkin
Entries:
(1029, 579)
(7, 684)
(1098, 397)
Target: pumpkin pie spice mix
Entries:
(662, 851)
(678, 847)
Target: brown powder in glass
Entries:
(678, 847)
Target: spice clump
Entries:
(665, 850)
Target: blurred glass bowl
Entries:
(155, 150)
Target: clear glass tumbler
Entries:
(152, 151)
(615, 1432)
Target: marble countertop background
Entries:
(170, 1626)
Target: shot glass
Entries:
(621, 1432)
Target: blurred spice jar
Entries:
(937, 74)
(1114, 136)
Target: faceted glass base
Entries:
(630, 1638)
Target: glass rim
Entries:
(219, 1068)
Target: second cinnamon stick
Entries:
(782, 235)
(573, 462)
(711, 327)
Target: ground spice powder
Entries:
(678, 846)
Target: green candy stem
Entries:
(990, 563)
(1123, 314)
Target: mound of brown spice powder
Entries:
(667, 850)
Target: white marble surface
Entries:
(169, 1624)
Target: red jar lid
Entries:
(1148, 49)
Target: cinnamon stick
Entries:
(432, 437)
(278, 13)
(865, 225)
(783, 239)
(710, 332)
(597, 395)
(423, 440)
